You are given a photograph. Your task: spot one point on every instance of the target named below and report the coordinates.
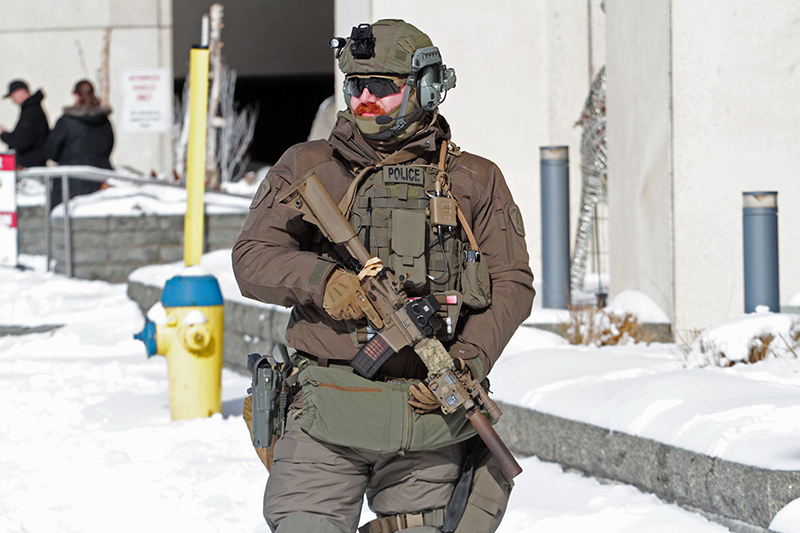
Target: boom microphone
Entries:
(386, 119)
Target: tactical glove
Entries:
(423, 400)
(343, 296)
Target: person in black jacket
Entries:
(82, 136)
(30, 133)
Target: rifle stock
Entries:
(312, 199)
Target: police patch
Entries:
(411, 174)
(515, 216)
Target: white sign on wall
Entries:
(8, 210)
(146, 100)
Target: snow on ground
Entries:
(87, 443)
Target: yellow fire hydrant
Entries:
(191, 339)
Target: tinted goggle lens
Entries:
(378, 87)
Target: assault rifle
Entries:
(399, 320)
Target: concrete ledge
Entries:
(741, 497)
(25, 330)
(651, 332)
(111, 247)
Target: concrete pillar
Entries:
(555, 227)
(760, 225)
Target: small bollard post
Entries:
(555, 227)
(760, 230)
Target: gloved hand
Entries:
(423, 400)
(462, 367)
(342, 296)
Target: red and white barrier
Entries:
(8, 210)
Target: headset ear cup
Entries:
(428, 88)
(346, 93)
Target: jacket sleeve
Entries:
(25, 134)
(272, 258)
(500, 235)
(55, 141)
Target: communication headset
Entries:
(429, 77)
(433, 79)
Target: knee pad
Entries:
(307, 523)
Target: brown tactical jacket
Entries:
(273, 259)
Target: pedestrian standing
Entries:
(82, 136)
(30, 134)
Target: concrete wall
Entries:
(38, 39)
(638, 126)
(735, 114)
(110, 248)
(524, 70)
(702, 104)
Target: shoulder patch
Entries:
(515, 216)
(263, 191)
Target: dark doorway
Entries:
(287, 107)
(279, 50)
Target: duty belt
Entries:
(325, 361)
(399, 522)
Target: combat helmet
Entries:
(395, 48)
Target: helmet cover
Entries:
(395, 44)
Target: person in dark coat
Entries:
(30, 133)
(82, 136)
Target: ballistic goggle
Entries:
(378, 86)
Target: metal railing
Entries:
(48, 174)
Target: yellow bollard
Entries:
(196, 156)
(191, 340)
(191, 335)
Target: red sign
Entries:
(8, 220)
(8, 161)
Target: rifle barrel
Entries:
(492, 440)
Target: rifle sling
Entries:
(475, 451)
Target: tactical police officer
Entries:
(386, 161)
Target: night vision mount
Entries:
(362, 43)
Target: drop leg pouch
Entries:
(343, 408)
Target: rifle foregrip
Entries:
(492, 440)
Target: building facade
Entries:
(701, 106)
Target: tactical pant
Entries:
(317, 487)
